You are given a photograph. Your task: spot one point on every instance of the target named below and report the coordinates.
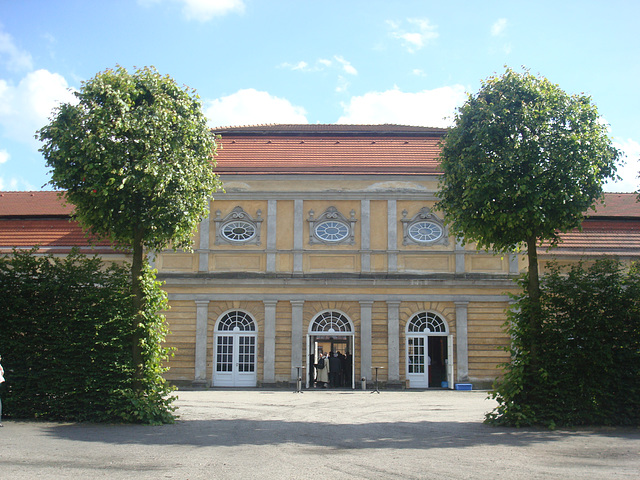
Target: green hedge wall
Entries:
(588, 370)
(66, 341)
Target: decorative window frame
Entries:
(237, 214)
(423, 215)
(431, 323)
(331, 322)
(333, 214)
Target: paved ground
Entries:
(278, 434)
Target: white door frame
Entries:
(434, 325)
(237, 349)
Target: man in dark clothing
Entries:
(334, 370)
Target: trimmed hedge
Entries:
(588, 371)
(66, 341)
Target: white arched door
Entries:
(234, 356)
(429, 351)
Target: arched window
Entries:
(237, 321)
(331, 322)
(427, 322)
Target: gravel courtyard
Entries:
(278, 434)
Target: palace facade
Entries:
(326, 239)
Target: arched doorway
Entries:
(234, 352)
(429, 351)
(331, 331)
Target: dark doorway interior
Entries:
(343, 346)
(438, 355)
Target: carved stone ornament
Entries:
(424, 228)
(238, 227)
(332, 228)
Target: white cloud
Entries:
(498, 27)
(252, 107)
(346, 66)
(204, 10)
(418, 34)
(16, 60)
(343, 84)
(629, 171)
(322, 64)
(26, 107)
(13, 184)
(4, 156)
(430, 108)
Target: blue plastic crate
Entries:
(464, 386)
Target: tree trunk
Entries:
(138, 306)
(533, 289)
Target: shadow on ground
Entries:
(398, 435)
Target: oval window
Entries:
(425, 231)
(238, 231)
(332, 231)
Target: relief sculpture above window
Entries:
(424, 228)
(332, 227)
(238, 227)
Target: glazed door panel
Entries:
(417, 362)
(235, 361)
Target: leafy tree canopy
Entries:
(524, 161)
(135, 157)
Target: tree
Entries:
(135, 157)
(523, 162)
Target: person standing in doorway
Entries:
(334, 369)
(322, 368)
(1, 382)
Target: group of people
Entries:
(333, 369)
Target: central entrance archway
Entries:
(331, 331)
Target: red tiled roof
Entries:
(17, 204)
(329, 149)
(46, 232)
(328, 129)
(618, 205)
(599, 242)
(616, 234)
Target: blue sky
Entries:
(302, 61)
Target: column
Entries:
(272, 209)
(202, 315)
(365, 235)
(269, 361)
(514, 267)
(366, 307)
(462, 342)
(393, 340)
(298, 235)
(392, 236)
(296, 337)
(203, 251)
(460, 259)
